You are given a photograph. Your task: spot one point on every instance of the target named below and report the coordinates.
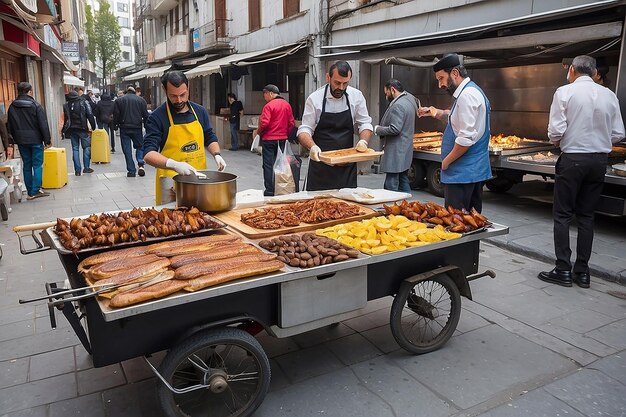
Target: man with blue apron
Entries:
(176, 134)
(465, 146)
(328, 122)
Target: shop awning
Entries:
(69, 79)
(246, 58)
(54, 55)
(489, 36)
(148, 73)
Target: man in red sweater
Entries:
(274, 126)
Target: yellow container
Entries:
(54, 168)
(100, 149)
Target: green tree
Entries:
(107, 33)
(91, 34)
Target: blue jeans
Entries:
(109, 129)
(132, 137)
(234, 138)
(397, 181)
(80, 137)
(32, 158)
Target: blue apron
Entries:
(474, 165)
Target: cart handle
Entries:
(34, 226)
(40, 247)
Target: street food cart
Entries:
(213, 365)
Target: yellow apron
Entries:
(184, 143)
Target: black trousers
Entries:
(464, 196)
(270, 150)
(577, 189)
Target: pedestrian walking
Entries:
(236, 112)
(585, 121)
(130, 114)
(396, 130)
(465, 163)
(104, 117)
(77, 113)
(6, 149)
(275, 124)
(28, 128)
(330, 115)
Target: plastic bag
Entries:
(256, 145)
(284, 182)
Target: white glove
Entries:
(361, 146)
(376, 127)
(183, 168)
(314, 153)
(219, 161)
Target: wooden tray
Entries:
(345, 156)
(233, 219)
(433, 135)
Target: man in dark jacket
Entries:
(130, 113)
(104, 117)
(77, 113)
(28, 128)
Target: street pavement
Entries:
(522, 347)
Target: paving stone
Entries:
(16, 330)
(13, 372)
(279, 380)
(324, 334)
(52, 363)
(133, 400)
(353, 349)
(41, 411)
(17, 313)
(591, 392)
(338, 394)
(98, 379)
(86, 405)
(43, 325)
(369, 321)
(400, 390)
(136, 370)
(276, 346)
(38, 343)
(33, 394)
(537, 403)
(382, 338)
(82, 358)
(378, 304)
(613, 334)
(577, 339)
(477, 365)
(307, 363)
(582, 321)
(613, 366)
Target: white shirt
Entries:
(313, 109)
(469, 115)
(585, 117)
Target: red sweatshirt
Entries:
(276, 120)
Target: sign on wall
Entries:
(71, 51)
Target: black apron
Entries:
(334, 131)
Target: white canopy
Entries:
(69, 79)
(148, 73)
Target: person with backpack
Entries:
(104, 116)
(77, 113)
(130, 113)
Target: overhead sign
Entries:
(195, 36)
(71, 51)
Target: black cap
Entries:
(447, 62)
(271, 88)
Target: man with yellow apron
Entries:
(176, 134)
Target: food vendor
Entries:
(176, 134)
(330, 116)
(465, 145)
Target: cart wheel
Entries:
(416, 175)
(499, 185)
(232, 365)
(424, 315)
(433, 178)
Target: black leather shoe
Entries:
(582, 279)
(556, 276)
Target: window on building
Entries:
(123, 21)
(122, 7)
(254, 15)
(170, 21)
(185, 15)
(291, 7)
(177, 19)
(268, 73)
(126, 56)
(126, 40)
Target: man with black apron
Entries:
(176, 134)
(330, 116)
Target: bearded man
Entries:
(465, 163)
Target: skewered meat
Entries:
(456, 220)
(290, 215)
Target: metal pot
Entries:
(214, 194)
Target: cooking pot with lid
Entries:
(215, 193)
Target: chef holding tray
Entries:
(330, 115)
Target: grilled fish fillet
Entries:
(111, 255)
(223, 252)
(152, 292)
(137, 272)
(217, 239)
(116, 266)
(193, 270)
(166, 274)
(243, 271)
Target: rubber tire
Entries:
(499, 185)
(433, 179)
(397, 307)
(225, 335)
(417, 175)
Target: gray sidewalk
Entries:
(522, 347)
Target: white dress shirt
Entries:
(469, 114)
(313, 109)
(585, 117)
